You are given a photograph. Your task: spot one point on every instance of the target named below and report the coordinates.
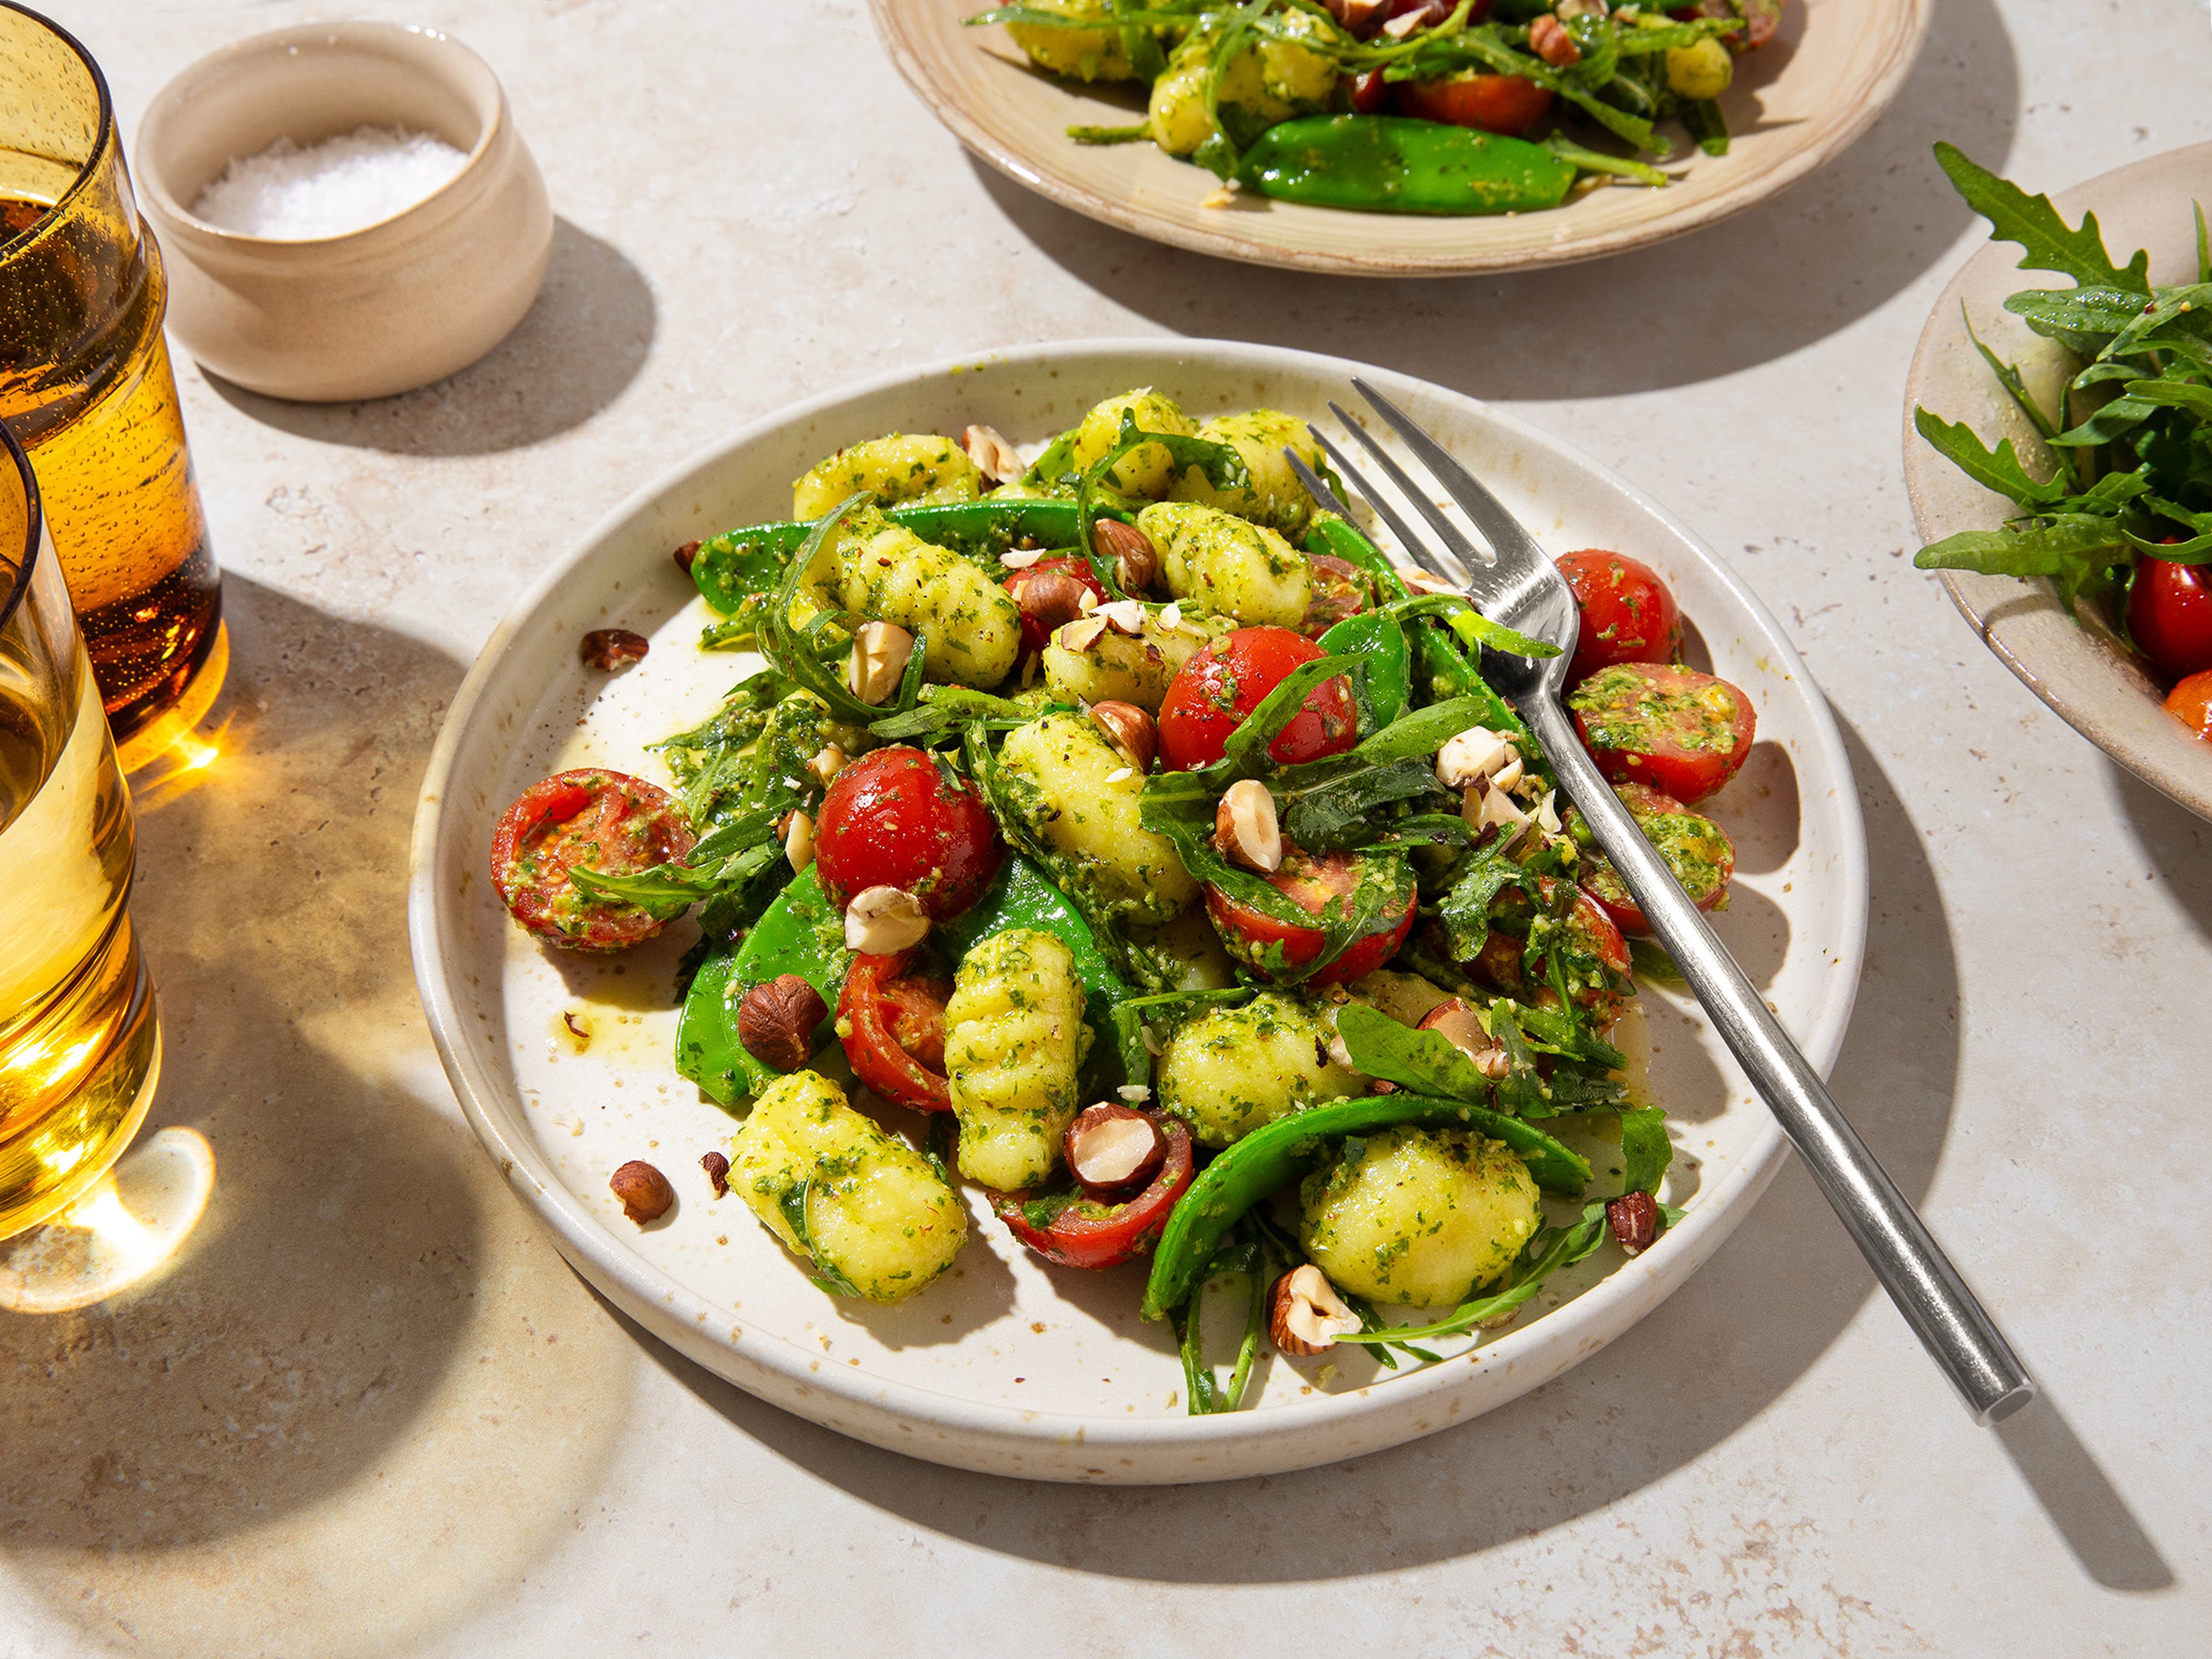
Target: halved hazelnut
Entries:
(644, 1191)
(799, 841)
(1131, 730)
(1051, 598)
(1136, 560)
(828, 761)
(878, 661)
(776, 1021)
(1079, 637)
(1305, 1315)
(1000, 462)
(1125, 616)
(1460, 1025)
(1114, 1151)
(1245, 827)
(882, 921)
(1477, 752)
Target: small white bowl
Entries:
(396, 305)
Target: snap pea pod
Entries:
(1388, 164)
(1272, 1157)
(738, 564)
(1386, 662)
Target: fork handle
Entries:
(1912, 1266)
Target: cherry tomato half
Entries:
(1698, 850)
(2191, 702)
(1221, 684)
(1682, 733)
(1504, 104)
(1589, 934)
(1075, 1231)
(898, 818)
(587, 819)
(1628, 615)
(892, 1024)
(1311, 880)
(1034, 633)
(2170, 615)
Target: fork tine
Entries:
(1316, 485)
(1450, 534)
(1504, 533)
(1415, 548)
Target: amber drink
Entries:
(80, 1040)
(85, 384)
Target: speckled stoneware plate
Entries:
(2094, 682)
(1006, 1364)
(1796, 103)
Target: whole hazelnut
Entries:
(776, 1021)
(644, 1191)
(1136, 561)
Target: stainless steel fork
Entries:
(1520, 587)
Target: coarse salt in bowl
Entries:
(363, 217)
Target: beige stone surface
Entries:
(368, 1410)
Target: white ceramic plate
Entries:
(1006, 1364)
(1796, 103)
(2084, 674)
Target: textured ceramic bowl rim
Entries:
(677, 1314)
(153, 177)
(897, 29)
(2082, 673)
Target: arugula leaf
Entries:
(1426, 1061)
(2035, 549)
(1645, 1151)
(1999, 470)
(2047, 242)
(2083, 318)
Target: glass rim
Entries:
(33, 528)
(103, 135)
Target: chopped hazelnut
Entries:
(1245, 827)
(882, 921)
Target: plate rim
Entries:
(892, 29)
(1000, 1439)
(1977, 596)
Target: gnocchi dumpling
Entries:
(1014, 1039)
(894, 470)
(1148, 470)
(1232, 1070)
(970, 624)
(1417, 1217)
(1271, 495)
(873, 1214)
(1216, 561)
(1058, 775)
(1111, 666)
(1080, 54)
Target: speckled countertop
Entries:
(369, 1410)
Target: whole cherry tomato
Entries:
(1504, 104)
(1682, 733)
(1628, 615)
(1075, 1231)
(892, 1024)
(2170, 615)
(898, 818)
(1311, 880)
(2191, 702)
(1038, 624)
(1226, 681)
(589, 819)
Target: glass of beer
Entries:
(85, 384)
(80, 1037)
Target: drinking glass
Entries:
(80, 1035)
(86, 385)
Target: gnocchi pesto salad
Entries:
(1404, 106)
(1119, 834)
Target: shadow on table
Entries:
(350, 1296)
(1760, 1314)
(1772, 280)
(2176, 843)
(578, 345)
